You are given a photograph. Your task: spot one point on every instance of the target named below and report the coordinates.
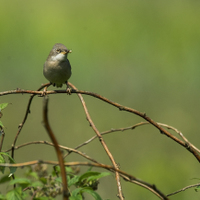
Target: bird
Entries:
(57, 68)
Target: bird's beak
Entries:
(66, 51)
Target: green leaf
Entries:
(2, 160)
(58, 179)
(75, 195)
(73, 181)
(78, 197)
(56, 171)
(33, 174)
(93, 193)
(36, 184)
(1, 124)
(12, 169)
(43, 180)
(197, 188)
(4, 179)
(15, 194)
(88, 174)
(3, 105)
(20, 181)
(96, 177)
(76, 191)
(69, 170)
(2, 197)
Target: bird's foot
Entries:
(69, 90)
(44, 92)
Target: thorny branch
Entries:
(185, 143)
(120, 107)
(58, 151)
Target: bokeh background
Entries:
(141, 54)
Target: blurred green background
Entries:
(141, 54)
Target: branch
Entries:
(183, 189)
(144, 116)
(58, 151)
(185, 143)
(51, 144)
(107, 132)
(190, 148)
(120, 195)
(25, 117)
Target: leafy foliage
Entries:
(11, 161)
(41, 185)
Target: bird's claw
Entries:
(44, 92)
(69, 91)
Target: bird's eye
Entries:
(58, 50)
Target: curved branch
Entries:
(58, 151)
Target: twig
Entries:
(120, 195)
(144, 116)
(183, 189)
(58, 151)
(121, 108)
(190, 145)
(51, 144)
(25, 117)
(107, 132)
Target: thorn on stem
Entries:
(187, 146)
(161, 132)
(40, 161)
(121, 108)
(154, 186)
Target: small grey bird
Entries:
(57, 68)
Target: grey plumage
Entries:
(57, 68)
